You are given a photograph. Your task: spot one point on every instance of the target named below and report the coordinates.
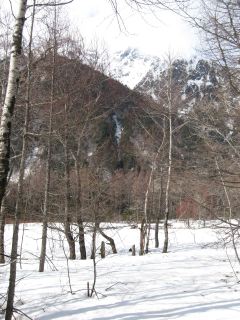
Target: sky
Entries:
(155, 33)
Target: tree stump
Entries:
(133, 250)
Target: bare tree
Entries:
(159, 208)
(230, 211)
(218, 23)
(19, 203)
(49, 147)
(82, 246)
(166, 214)
(10, 97)
(67, 215)
(5, 21)
(2, 229)
(5, 44)
(146, 223)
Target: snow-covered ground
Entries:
(194, 281)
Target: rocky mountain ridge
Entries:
(196, 78)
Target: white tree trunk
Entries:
(10, 98)
(5, 135)
(170, 101)
(166, 216)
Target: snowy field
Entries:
(196, 280)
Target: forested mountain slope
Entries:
(118, 135)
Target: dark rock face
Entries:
(196, 79)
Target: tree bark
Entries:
(94, 236)
(2, 228)
(49, 154)
(158, 215)
(145, 222)
(5, 134)
(4, 69)
(10, 97)
(230, 212)
(111, 240)
(93, 257)
(67, 217)
(166, 215)
(81, 236)
(3, 81)
(102, 250)
(142, 237)
(83, 253)
(145, 225)
(133, 250)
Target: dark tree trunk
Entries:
(49, 156)
(111, 241)
(159, 213)
(81, 235)
(2, 228)
(102, 250)
(93, 257)
(94, 236)
(148, 236)
(165, 229)
(142, 237)
(82, 246)
(133, 250)
(157, 233)
(67, 217)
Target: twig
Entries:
(68, 273)
(18, 311)
(230, 262)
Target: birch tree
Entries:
(18, 209)
(11, 95)
(5, 45)
(5, 135)
(5, 22)
(169, 165)
(49, 149)
(2, 229)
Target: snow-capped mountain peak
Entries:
(130, 66)
(195, 79)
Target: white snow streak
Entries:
(119, 128)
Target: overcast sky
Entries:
(155, 35)
(158, 35)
